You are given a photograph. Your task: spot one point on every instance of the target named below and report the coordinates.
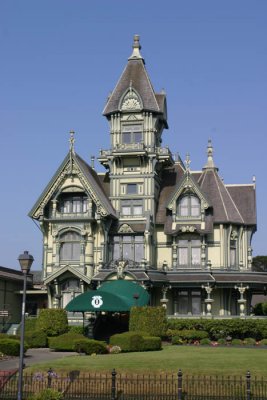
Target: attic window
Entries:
(73, 204)
(188, 206)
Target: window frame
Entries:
(132, 205)
(121, 244)
(70, 246)
(132, 130)
(189, 207)
(188, 246)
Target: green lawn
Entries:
(191, 359)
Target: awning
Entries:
(116, 296)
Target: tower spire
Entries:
(187, 162)
(210, 162)
(71, 141)
(136, 49)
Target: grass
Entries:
(192, 360)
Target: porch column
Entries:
(242, 301)
(164, 299)
(208, 301)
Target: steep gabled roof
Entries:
(136, 77)
(224, 207)
(90, 180)
(244, 197)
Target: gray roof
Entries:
(230, 203)
(135, 76)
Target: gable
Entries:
(74, 175)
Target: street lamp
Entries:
(25, 261)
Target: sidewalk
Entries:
(34, 356)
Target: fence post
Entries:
(248, 378)
(180, 384)
(113, 384)
(49, 377)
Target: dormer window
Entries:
(131, 134)
(188, 206)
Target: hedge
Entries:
(90, 346)
(11, 347)
(64, 342)
(221, 328)
(151, 320)
(134, 341)
(52, 321)
(36, 339)
(189, 335)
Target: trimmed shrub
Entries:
(64, 342)
(176, 340)
(76, 329)
(52, 321)
(152, 343)
(221, 328)
(222, 342)
(237, 342)
(134, 341)
(11, 347)
(90, 346)
(47, 394)
(151, 320)
(36, 339)
(190, 335)
(249, 341)
(205, 342)
(30, 325)
(263, 342)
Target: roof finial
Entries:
(72, 140)
(187, 162)
(136, 48)
(210, 162)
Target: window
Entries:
(131, 134)
(131, 208)
(189, 302)
(127, 247)
(189, 206)
(70, 248)
(73, 204)
(189, 253)
(232, 253)
(131, 188)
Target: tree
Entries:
(259, 264)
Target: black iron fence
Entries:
(118, 386)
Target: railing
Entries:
(115, 386)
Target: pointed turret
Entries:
(134, 90)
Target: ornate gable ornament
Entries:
(125, 228)
(131, 101)
(68, 168)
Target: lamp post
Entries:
(25, 261)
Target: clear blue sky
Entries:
(60, 59)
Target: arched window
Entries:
(70, 246)
(188, 206)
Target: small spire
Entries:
(136, 49)
(93, 162)
(187, 162)
(210, 162)
(72, 140)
